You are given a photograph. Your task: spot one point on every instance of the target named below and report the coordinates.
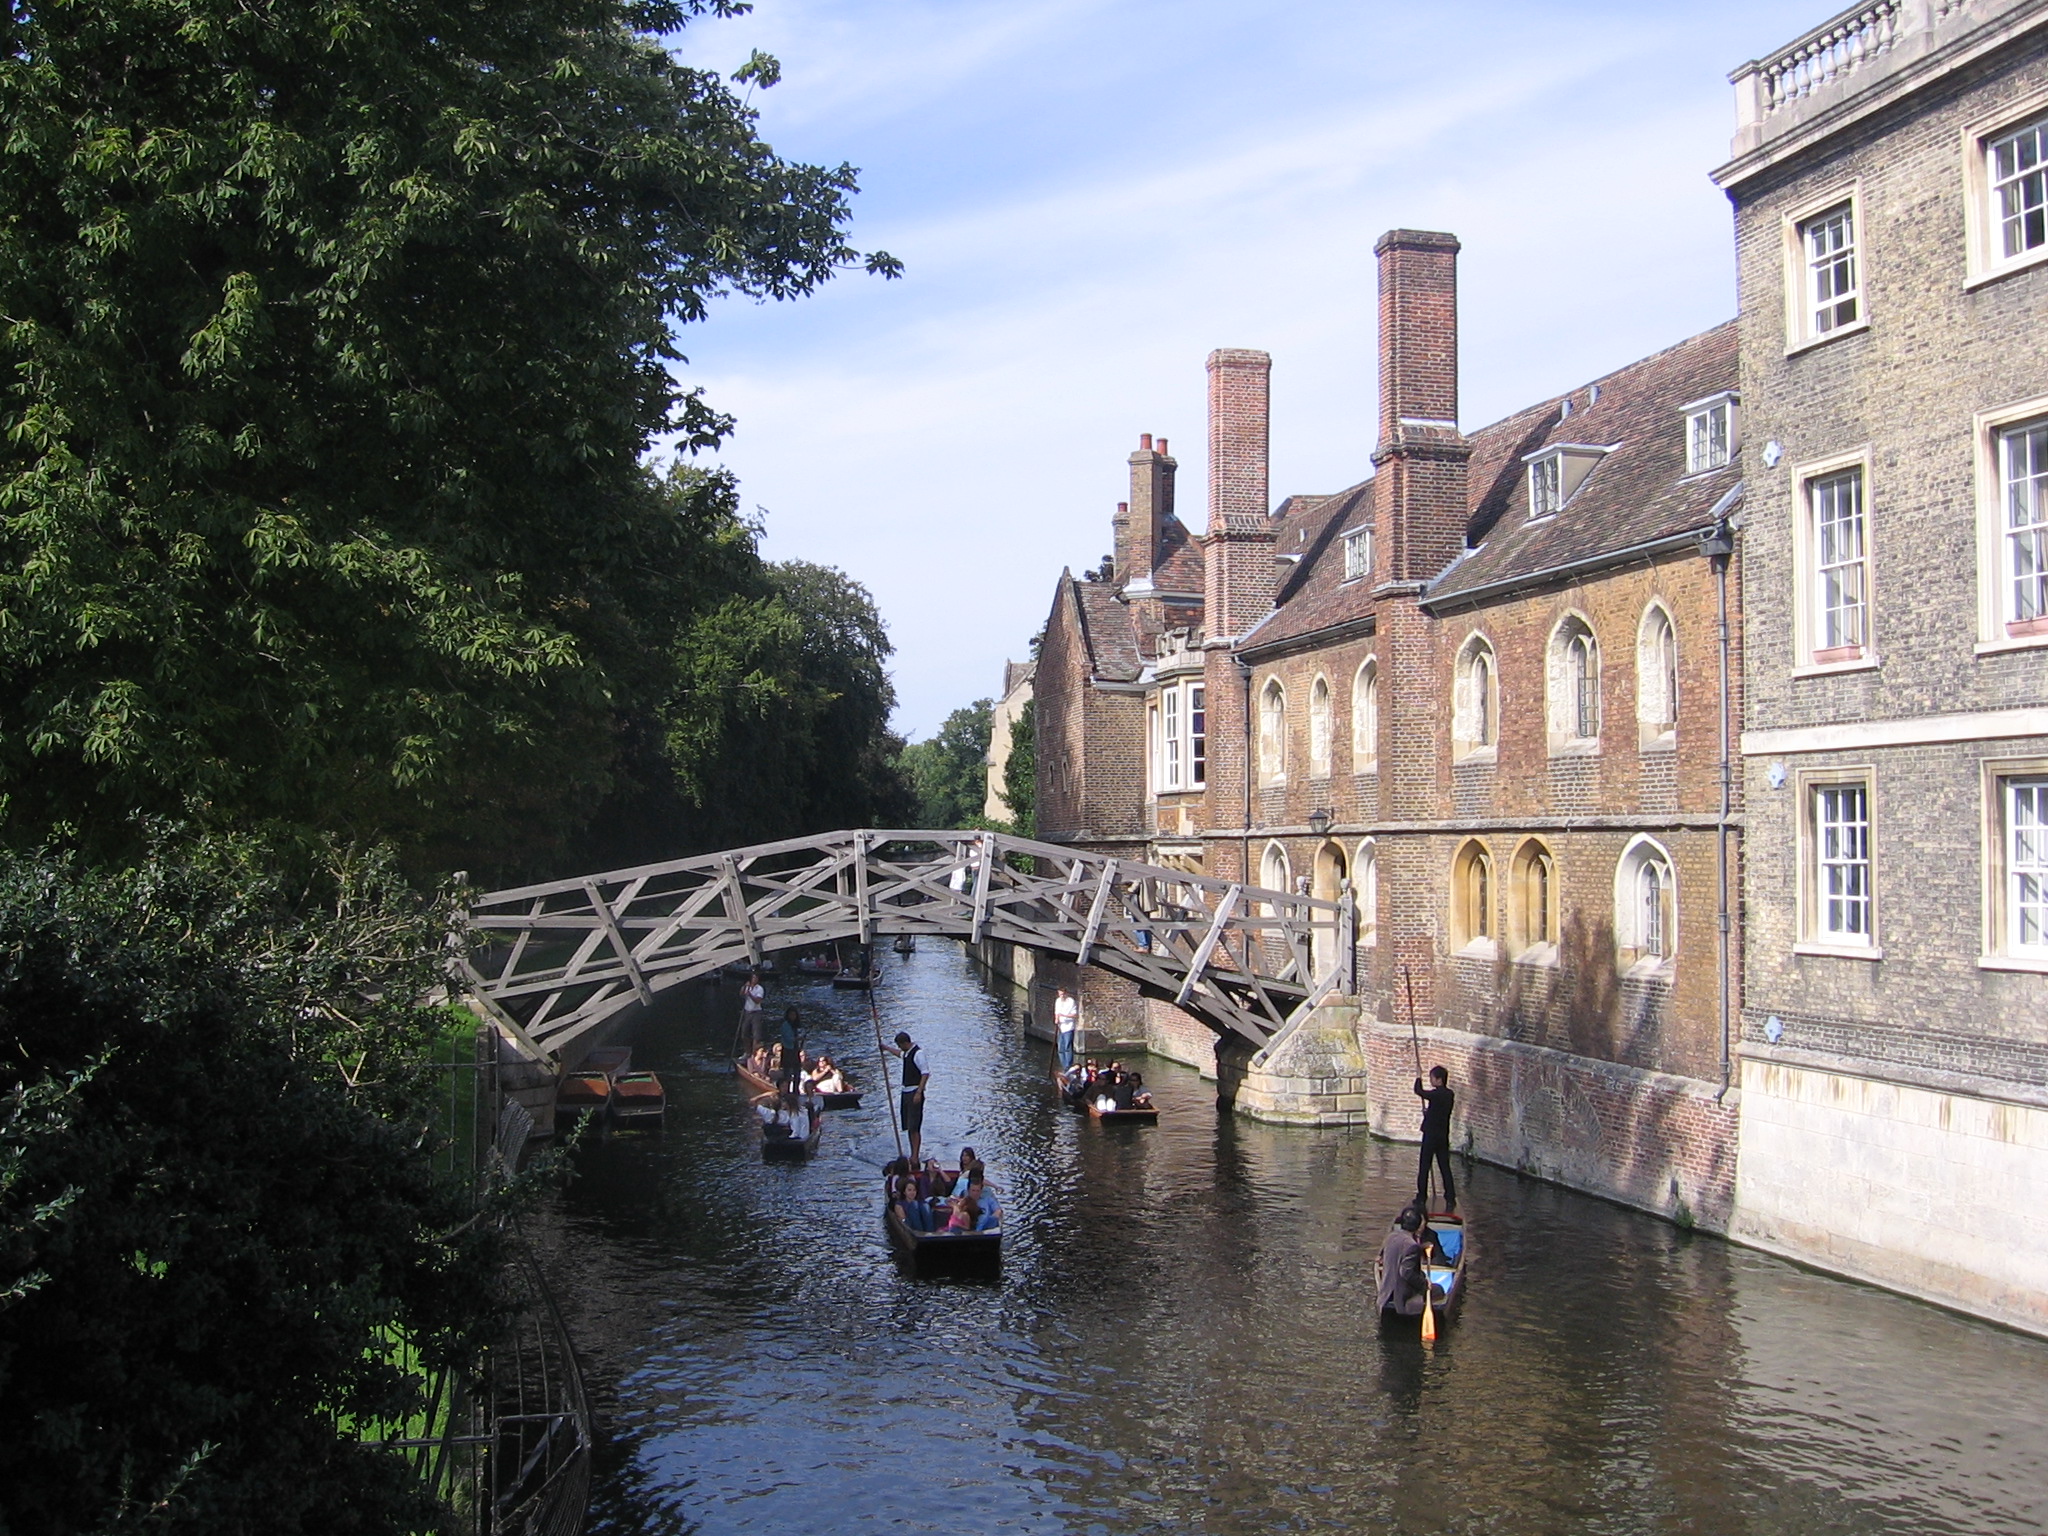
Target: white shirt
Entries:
(1066, 1013)
(750, 997)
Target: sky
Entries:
(1089, 196)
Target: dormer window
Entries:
(1555, 475)
(1358, 554)
(1709, 433)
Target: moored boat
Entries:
(818, 965)
(611, 1060)
(582, 1093)
(857, 976)
(1449, 1247)
(906, 944)
(638, 1099)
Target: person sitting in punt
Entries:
(970, 1166)
(1401, 1271)
(963, 1212)
(785, 1115)
(1141, 1097)
(828, 1078)
(985, 1199)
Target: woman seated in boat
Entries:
(1141, 1097)
(963, 1211)
(760, 1062)
(970, 1167)
(827, 1078)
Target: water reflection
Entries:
(1183, 1336)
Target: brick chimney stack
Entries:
(1240, 538)
(1142, 521)
(1421, 452)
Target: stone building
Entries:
(1890, 185)
(1014, 704)
(1488, 687)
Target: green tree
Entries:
(1020, 772)
(949, 773)
(219, 1193)
(335, 334)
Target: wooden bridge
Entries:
(552, 962)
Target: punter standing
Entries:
(1437, 1100)
(915, 1081)
(1066, 1018)
(752, 995)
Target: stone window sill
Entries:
(1540, 956)
(1808, 343)
(1478, 949)
(2003, 268)
(1477, 757)
(1664, 741)
(1867, 662)
(1840, 951)
(2011, 643)
(2038, 964)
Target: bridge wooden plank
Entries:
(736, 910)
(860, 890)
(1201, 961)
(1085, 950)
(619, 945)
(983, 869)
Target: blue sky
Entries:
(1090, 195)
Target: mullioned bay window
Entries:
(1180, 759)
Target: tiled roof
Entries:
(1107, 631)
(1178, 566)
(1312, 592)
(1638, 493)
(1634, 495)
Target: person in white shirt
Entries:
(752, 995)
(1066, 1018)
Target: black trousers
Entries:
(1441, 1151)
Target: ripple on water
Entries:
(1183, 1339)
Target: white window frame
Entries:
(1801, 301)
(1179, 751)
(1273, 858)
(1807, 627)
(1700, 443)
(1365, 717)
(1657, 680)
(1823, 866)
(1546, 486)
(1358, 554)
(1533, 935)
(1997, 627)
(1646, 939)
(1984, 259)
(2006, 862)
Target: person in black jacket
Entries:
(1437, 1100)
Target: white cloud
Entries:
(954, 439)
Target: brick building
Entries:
(1487, 686)
(1890, 187)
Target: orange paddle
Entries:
(1428, 1311)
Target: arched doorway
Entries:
(1330, 873)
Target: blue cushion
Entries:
(1450, 1242)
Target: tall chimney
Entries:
(1422, 510)
(1240, 540)
(1138, 530)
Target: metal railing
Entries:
(507, 1448)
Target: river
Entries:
(1183, 1336)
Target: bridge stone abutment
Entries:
(1314, 1074)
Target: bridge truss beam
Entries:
(556, 960)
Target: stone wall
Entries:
(1653, 1140)
(1931, 1192)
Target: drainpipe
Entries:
(1244, 838)
(1717, 544)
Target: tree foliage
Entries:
(949, 773)
(1020, 772)
(219, 1192)
(335, 334)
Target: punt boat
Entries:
(759, 1087)
(583, 1093)
(788, 1148)
(1448, 1251)
(1079, 1100)
(638, 1099)
(945, 1253)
